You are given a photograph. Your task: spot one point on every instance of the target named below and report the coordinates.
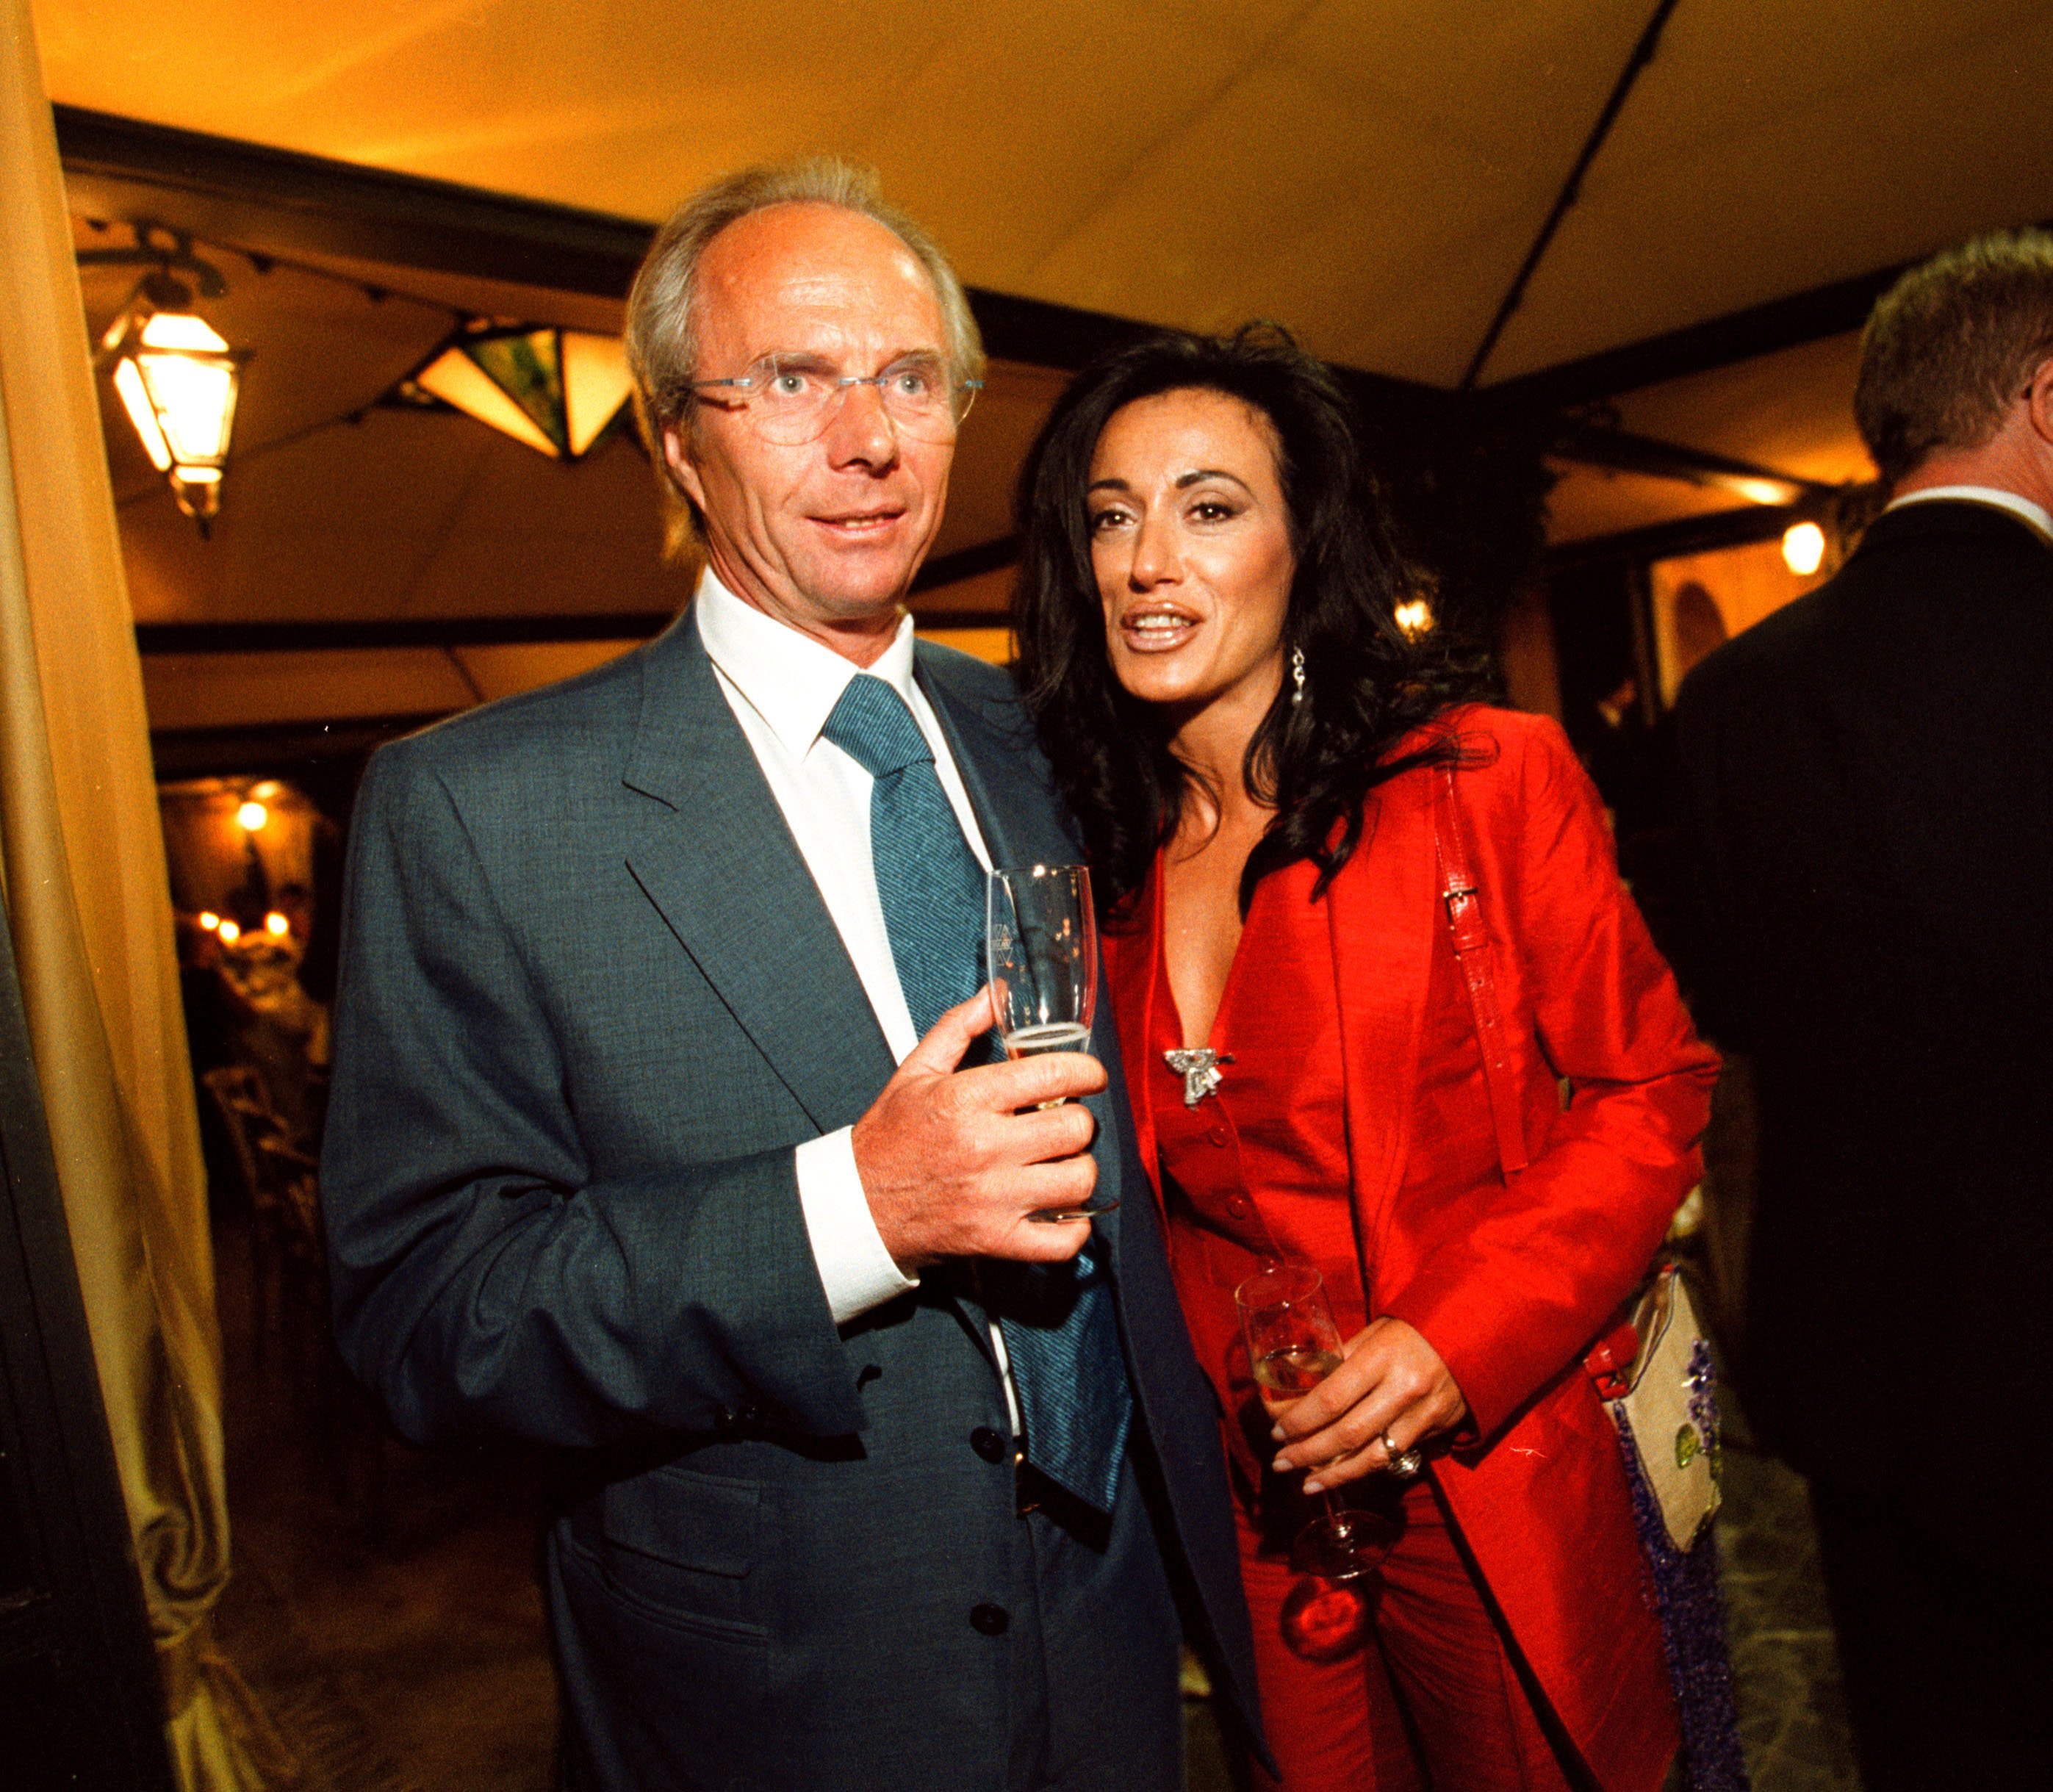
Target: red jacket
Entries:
(1510, 1279)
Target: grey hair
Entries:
(662, 341)
(1951, 345)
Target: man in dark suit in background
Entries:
(660, 1135)
(1869, 784)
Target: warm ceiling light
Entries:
(1415, 616)
(1803, 548)
(253, 816)
(128, 383)
(555, 390)
(208, 920)
(276, 925)
(176, 376)
(1765, 491)
(230, 932)
(596, 384)
(177, 380)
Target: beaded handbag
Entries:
(1654, 1375)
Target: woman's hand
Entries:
(1392, 1383)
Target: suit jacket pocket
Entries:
(684, 1542)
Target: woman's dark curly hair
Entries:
(1366, 685)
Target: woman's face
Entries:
(1191, 544)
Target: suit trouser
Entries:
(1432, 1698)
(1946, 1659)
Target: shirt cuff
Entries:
(856, 1270)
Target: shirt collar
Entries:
(2024, 508)
(792, 680)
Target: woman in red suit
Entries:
(1274, 786)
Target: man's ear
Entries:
(2038, 402)
(677, 458)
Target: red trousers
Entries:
(1431, 1698)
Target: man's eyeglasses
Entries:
(792, 399)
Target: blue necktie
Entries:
(1063, 1343)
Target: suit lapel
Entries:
(712, 850)
(1383, 908)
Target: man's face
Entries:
(825, 535)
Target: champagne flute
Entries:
(1041, 937)
(1293, 1345)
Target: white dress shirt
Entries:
(2023, 508)
(782, 686)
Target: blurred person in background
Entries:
(1867, 778)
(1262, 765)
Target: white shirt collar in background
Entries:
(1994, 495)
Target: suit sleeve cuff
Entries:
(856, 1270)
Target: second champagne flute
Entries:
(1293, 1345)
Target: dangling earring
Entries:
(1297, 675)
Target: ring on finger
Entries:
(1403, 1464)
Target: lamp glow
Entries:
(276, 925)
(208, 920)
(252, 817)
(129, 382)
(1803, 548)
(177, 380)
(174, 329)
(230, 932)
(1414, 616)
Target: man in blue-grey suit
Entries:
(665, 1130)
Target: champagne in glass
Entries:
(1291, 1369)
(1041, 935)
(1293, 1345)
(1051, 1036)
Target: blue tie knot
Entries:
(873, 725)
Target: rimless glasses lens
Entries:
(792, 399)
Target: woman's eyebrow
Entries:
(1201, 474)
(1107, 485)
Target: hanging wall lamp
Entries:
(556, 390)
(178, 380)
(176, 376)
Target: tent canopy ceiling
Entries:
(1372, 176)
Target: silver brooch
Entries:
(1198, 1067)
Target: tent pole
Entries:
(1571, 188)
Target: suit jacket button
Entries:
(991, 1619)
(1239, 1206)
(987, 1443)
